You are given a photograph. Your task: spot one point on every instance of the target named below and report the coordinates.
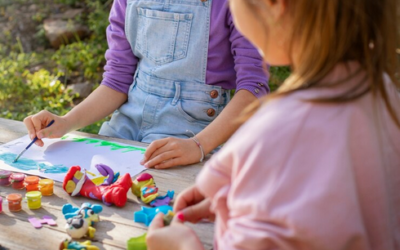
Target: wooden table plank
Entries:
(116, 225)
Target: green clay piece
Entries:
(137, 243)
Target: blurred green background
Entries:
(36, 75)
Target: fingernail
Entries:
(143, 160)
(32, 136)
(40, 136)
(180, 216)
(146, 165)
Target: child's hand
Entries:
(192, 206)
(176, 236)
(36, 125)
(170, 152)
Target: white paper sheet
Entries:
(55, 158)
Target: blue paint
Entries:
(28, 164)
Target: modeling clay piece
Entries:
(77, 227)
(163, 200)
(74, 245)
(168, 218)
(137, 243)
(147, 214)
(145, 188)
(37, 223)
(77, 182)
(107, 172)
(142, 180)
(88, 211)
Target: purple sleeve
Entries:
(250, 73)
(121, 63)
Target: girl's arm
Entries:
(100, 103)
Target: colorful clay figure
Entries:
(74, 245)
(147, 214)
(88, 211)
(77, 182)
(77, 227)
(145, 188)
(106, 171)
(142, 180)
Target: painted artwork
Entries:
(57, 155)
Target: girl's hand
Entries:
(176, 236)
(36, 125)
(170, 152)
(192, 206)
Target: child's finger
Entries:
(30, 127)
(197, 212)
(151, 149)
(187, 197)
(179, 218)
(157, 222)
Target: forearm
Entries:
(100, 103)
(225, 124)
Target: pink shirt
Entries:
(302, 175)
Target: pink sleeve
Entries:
(270, 192)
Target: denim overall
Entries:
(168, 95)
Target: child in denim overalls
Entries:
(170, 66)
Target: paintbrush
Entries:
(30, 144)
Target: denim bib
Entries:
(168, 95)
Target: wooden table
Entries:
(116, 225)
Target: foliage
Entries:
(277, 76)
(31, 82)
(25, 93)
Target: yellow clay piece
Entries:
(78, 175)
(91, 232)
(70, 187)
(149, 198)
(136, 186)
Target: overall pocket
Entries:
(163, 37)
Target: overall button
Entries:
(210, 112)
(260, 84)
(214, 94)
(257, 91)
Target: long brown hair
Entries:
(328, 32)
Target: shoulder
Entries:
(285, 127)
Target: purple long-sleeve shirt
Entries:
(233, 63)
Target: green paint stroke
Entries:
(102, 143)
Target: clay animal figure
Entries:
(77, 227)
(87, 210)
